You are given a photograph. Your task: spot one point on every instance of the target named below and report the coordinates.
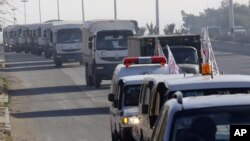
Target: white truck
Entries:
(104, 47)
(21, 39)
(66, 40)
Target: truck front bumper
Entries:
(105, 71)
(73, 57)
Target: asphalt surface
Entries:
(50, 104)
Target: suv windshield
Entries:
(209, 124)
(112, 40)
(183, 55)
(69, 36)
(131, 95)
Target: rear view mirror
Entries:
(111, 97)
(144, 109)
(90, 45)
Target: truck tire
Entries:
(49, 54)
(58, 63)
(88, 79)
(39, 52)
(97, 80)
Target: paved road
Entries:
(50, 104)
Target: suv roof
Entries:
(215, 101)
(140, 69)
(189, 82)
(134, 79)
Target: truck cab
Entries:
(66, 39)
(186, 49)
(104, 47)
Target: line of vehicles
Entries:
(149, 104)
(147, 101)
(100, 45)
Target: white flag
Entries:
(172, 66)
(207, 52)
(158, 48)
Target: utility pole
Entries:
(231, 17)
(115, 10)
(83, 18)
(24, 5)
(3, 13)
(40, 13)
(58, 9)
(157, 17)
(14, 15)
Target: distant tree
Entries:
(217, 17)
(152, 29)
(182, 30)
(225, 3)
(142, 31)
(169, 29)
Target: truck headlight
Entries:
(130, 120)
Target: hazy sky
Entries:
(141, 10)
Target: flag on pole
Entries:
(158, 48)
(172, 66)
(207, 52)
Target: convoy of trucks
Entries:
(100, 45)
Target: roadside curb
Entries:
(4, 117)
(232, 43)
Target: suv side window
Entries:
(142, 92)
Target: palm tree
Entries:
(169, 29)
(152, 29)
(142, 30)
(181, 31)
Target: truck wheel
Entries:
(39, 53)
(97, 81)
(81, 62)
(58, 64)
(88, 78)
(45, 54)
(49, 54)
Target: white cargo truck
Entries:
(66, 41)
(104, 47)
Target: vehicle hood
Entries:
(189, 68)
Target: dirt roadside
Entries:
(19, 127)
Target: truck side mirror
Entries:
(111, 97)
(90, 45)
(144, 109)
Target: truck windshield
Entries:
(69, 36)
(210, 124)
(183, 55)
(112, 40)
(131, 95)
